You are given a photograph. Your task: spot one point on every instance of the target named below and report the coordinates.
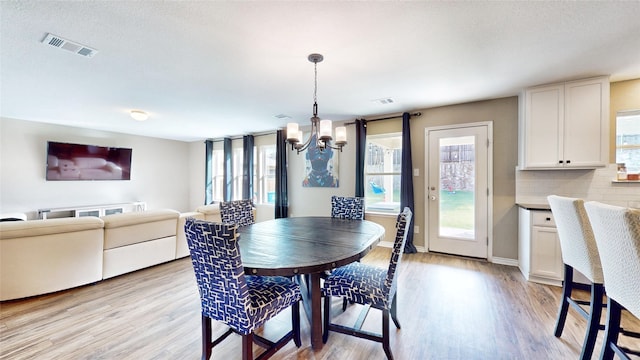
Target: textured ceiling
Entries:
(210, 69)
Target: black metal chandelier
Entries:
(320, 129)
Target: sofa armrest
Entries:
(19, 229)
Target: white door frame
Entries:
(489, 125)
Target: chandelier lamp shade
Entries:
(321, 130)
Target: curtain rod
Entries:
(385, 118)
(237, 137)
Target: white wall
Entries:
(196, 174)
(160, 176)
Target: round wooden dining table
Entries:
(306, 245)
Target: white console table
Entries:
(95, 210)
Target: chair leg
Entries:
(206, 338)
(612, 329)
(567, 286)
(394, 311)
(385, 334)
(247, 347)
(593, 322)
(295, 323)
(327, 318)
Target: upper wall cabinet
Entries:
(564, 125)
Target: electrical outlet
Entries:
(416, 172)
(416, 229)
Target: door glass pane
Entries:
(457, 187)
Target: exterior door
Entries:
(458, 184)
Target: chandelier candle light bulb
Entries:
(292, 132)
(341, 135)
(325, 130)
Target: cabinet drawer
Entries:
(542, 218)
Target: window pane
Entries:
(383, 166)
(382, 193)
(237, 173)
(266, 174)
(628, 140)
(217, 173)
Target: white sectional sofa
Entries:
(43, 256)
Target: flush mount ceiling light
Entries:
(139, 115)
(320, 129)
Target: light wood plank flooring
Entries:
(449, 308)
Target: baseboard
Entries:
(504, 261)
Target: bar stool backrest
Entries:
(617, 233)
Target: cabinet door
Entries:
(544, 111)
(585, 130)
(546, 256)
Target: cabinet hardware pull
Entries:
(560, 161)
(568, 161)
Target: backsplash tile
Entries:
(533, 186)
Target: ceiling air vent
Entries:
(384, 101)
(57, 41)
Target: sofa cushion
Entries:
(211, 212)
(135, 227)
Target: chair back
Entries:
(402, 224)
(343, 207)
(617, 233)
(239, 212)
(579, 249)
(215, 256)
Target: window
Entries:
(217, 159)
(628, 140)
(383, 164)
(264, 172)
(265, 175)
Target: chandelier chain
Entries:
(315, 88)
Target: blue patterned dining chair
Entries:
(242, 302)
(579, 252)
(617, 233)
(370, 286)
(239, 212)
(343, 207)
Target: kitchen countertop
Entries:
(531, 206)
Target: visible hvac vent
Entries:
(57, 41)
(282, 116)
(384, 101)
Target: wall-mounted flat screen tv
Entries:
(87, 162)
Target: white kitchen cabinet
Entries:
(565, 125)
(539, 253)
